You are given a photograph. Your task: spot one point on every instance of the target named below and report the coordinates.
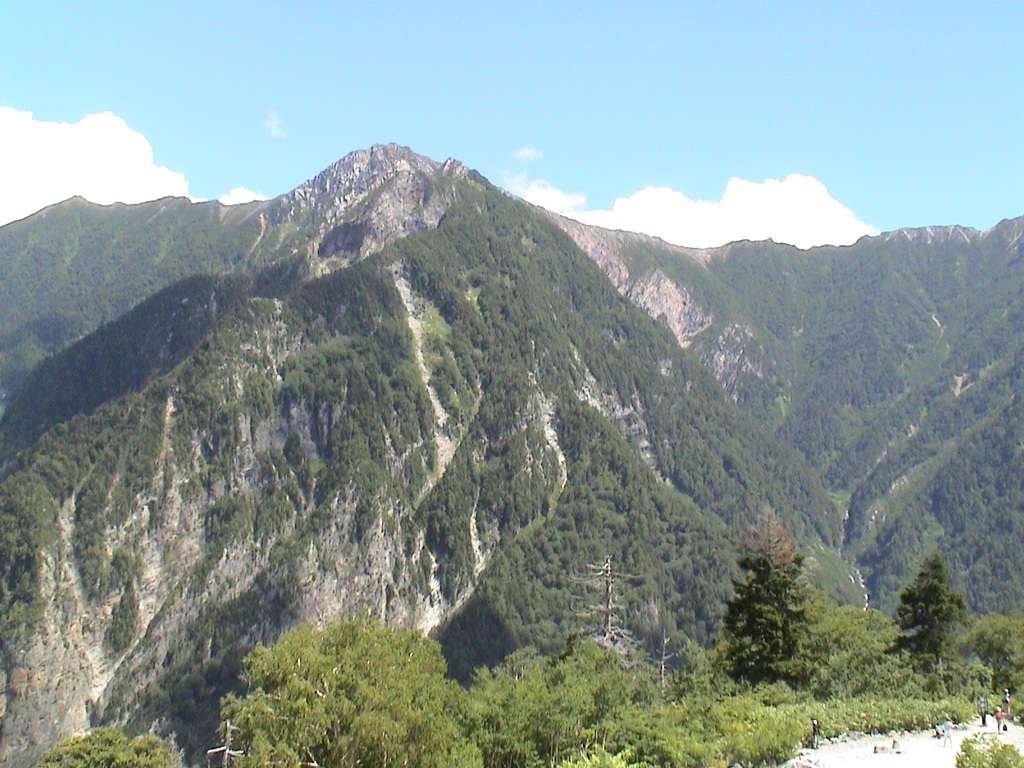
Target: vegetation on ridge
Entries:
(75, 265)
(892, 366)
(353, 692)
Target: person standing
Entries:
(1006, 702)
(999, 719)
(983, 709)
(947, 733)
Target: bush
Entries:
(983, 751)
(759, 735)
(870, 715)
(109, 748)
(752, 731)
(598, 757)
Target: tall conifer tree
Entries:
(765, 618)
(930, 611)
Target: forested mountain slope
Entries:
(75, 265)
(893, 365)
(429, 405)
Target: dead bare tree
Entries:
(602, 617)
(666, 657)
(224, 751)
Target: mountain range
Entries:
(397, 389)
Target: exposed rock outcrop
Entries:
(730, 358)
(662, 299)
(365, 200)
(650, 290)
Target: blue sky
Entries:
(909, 113)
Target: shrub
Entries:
(983, 751)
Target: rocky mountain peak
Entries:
(365, 200)
(1009, 232)
(360, 171)
(930, 235)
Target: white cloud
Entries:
(240, 195)
(99, 158)
(274, 125)
(528, 154)
(797, 210)
(539, 192)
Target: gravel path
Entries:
(911, 750)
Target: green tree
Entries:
(535, 711)
(982, 752)
(844, 653)
(354, 693)
(999, 642)
(766, 618)
(107, 748)
(928, 614)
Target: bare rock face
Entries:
(62, 678)
(652, 291)
(661, 298)
(929, 235)
(54, 674)
(607, 247)
(365, 200)
(731, 359)
(602, 245)
(732, 356)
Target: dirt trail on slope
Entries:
(912, 750)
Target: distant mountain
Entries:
(75, 265)
(410, 394)
(893, 365)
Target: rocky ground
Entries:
(907, 750)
